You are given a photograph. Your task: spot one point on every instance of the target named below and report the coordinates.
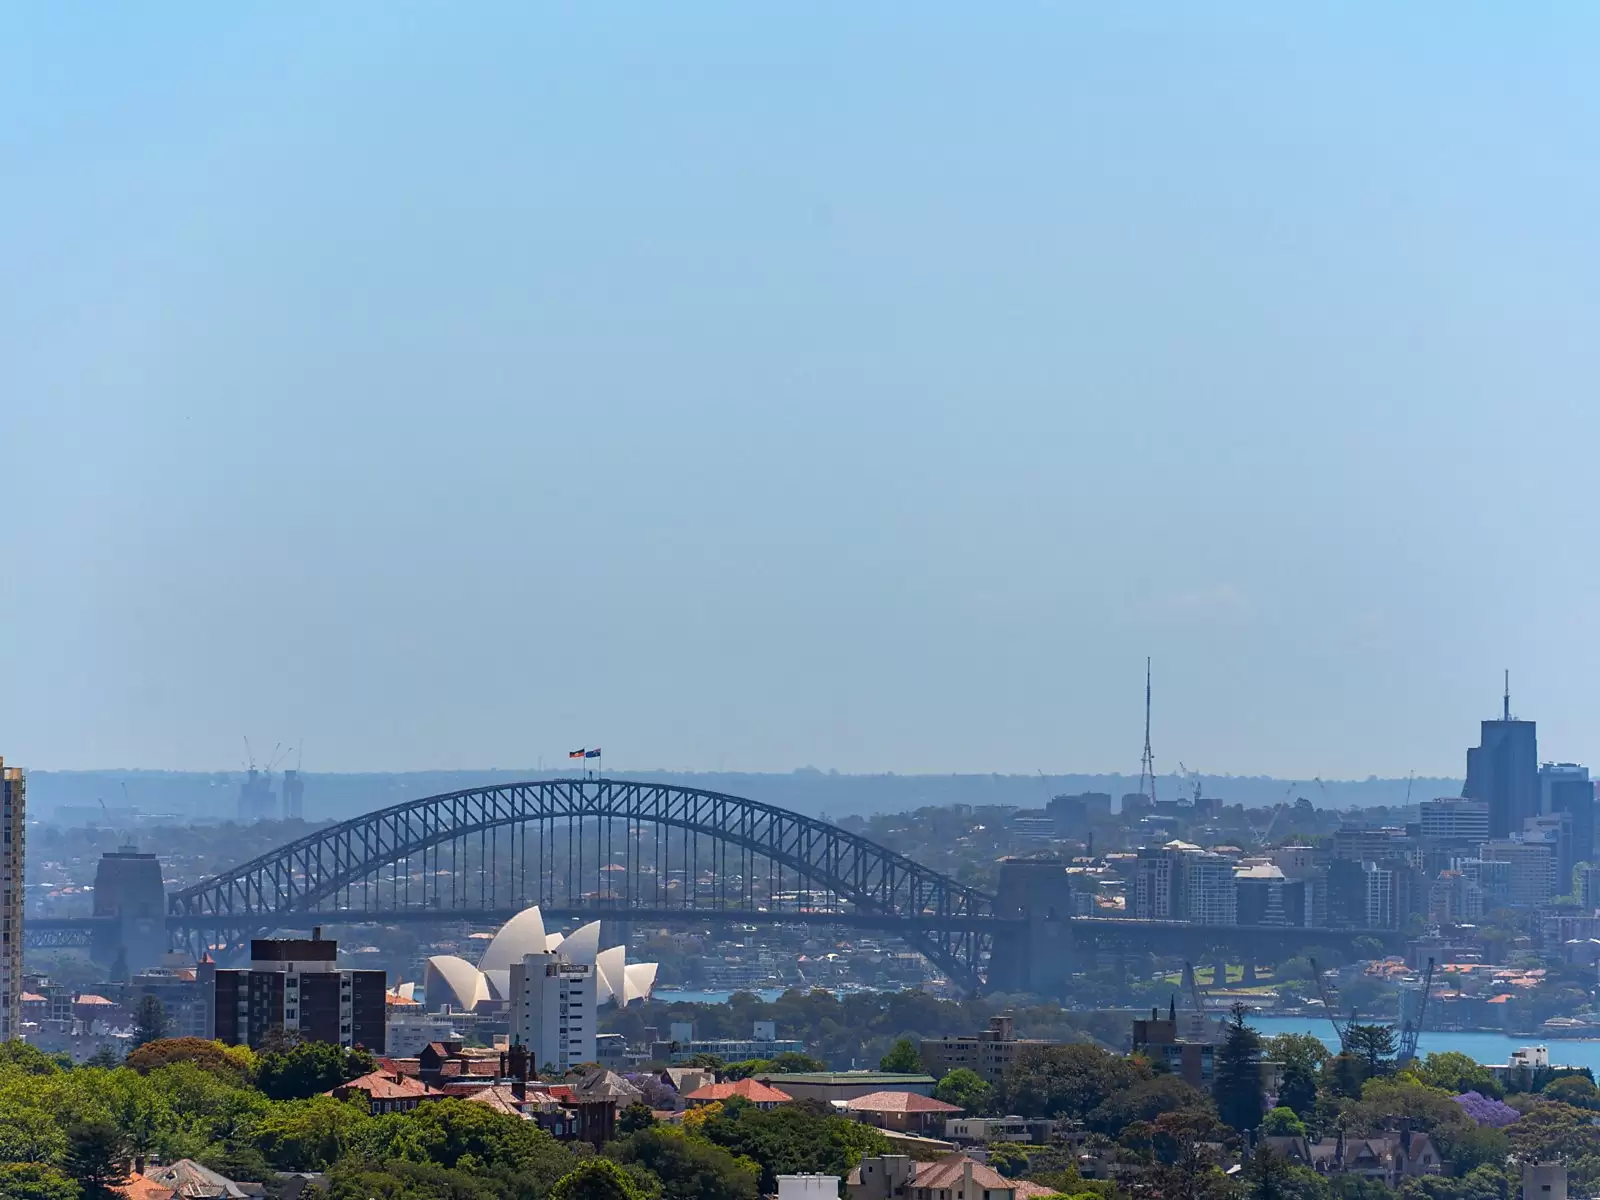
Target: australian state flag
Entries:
(595, 753)
(577, 753)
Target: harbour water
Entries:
(1484, 1047)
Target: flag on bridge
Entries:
(578, 753)
(595, 753)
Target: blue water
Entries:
(767, 994)
(1484, 1047)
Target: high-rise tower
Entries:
(13, 827)
(1503, 770)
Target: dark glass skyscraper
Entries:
(1503, 771)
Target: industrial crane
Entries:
(1343, 1030)
(1411, 1030)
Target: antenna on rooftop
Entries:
(1147, 763)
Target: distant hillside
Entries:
(73, 797)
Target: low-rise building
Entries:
(988, 1053)
(829, 1086)
(902, 1112)
(953, 1177)
(386, 1091)
(752, 1090)
(980, 1131)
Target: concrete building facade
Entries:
(553, 1009)
(13, 855)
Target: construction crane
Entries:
(1410, 1031)
(1343, 1030)
(1277, 815)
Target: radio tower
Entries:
(1147, 764)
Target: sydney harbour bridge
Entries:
(666, 855)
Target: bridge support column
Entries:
(1220, 966)
(1249, 969)
(1036, 954)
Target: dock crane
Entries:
(1411, 1030)
(1343, 1030)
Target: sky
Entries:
(742, 387)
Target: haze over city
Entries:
(752, 390)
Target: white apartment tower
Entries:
(13, 810)
(553, 1005)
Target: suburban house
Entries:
(753, 1090)
(386, 1091)
(902, 1112)
(953, 1177)
(1388, 1157)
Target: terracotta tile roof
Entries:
(752, 1090)
(141, 1188)
(899, 1102)
(380, 1085)
(1027, 1189)
(31, 998)
(91, 998)
(948, 1172)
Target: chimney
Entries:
(518, 1057)
(316, 933)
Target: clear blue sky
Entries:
(865, 386)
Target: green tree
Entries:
(29, 1058)
(966, 1089)
(689, 1168)
(97, 1158)
(149, 1021)
(635, 1117)
(596, 1179)
(1267, 1176)
(791, 1139)
(36, 1181)
(1456, 1073)
(792, 1062)
(235, 1063)
(1374, 1046)
(902, 1059)
(29, 1135)
(1145, 1101)
(1071, 1080)
(1237, 1075)
(308, 1135)
(1576, 1090)
(1343, 1075)
(306, 1069)
(1283, 1122)
(1010, 1159)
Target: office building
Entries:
(1260, 888)
(13, 853)
(1503, 772)
(1160, 882)
(1212, 897)
(1556, 830)
(1358, 843)
(294, 987)
(294, 795)
(1380, 908)
(1529, 872)
(553, 1009)
(1589, 887)
(1451, 819)
(186, 993)
(1567, 788)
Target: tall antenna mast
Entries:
(1147, 763)
(1505, 710)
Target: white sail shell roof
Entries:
(610, 982)
(523, 934)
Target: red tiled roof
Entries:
(949, 1171)
(140, 1188)
(91, 998)
(752, 1090)
(899, 1102)
(1027, 1189)
(381, 1086)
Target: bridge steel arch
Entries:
(950, 923)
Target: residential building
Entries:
(553, 1009)
(1260, 889)
(1454, 899)
(1380, 896)
(186, 993)
(1493, 878)
(763, 1042)
(813, 1187)
(386, 1091)
(1589, 887)
(13, 855)
(1386, 1157)
(1212, 897)
(1544, 1181)
(829, 1086)
(752, 1090)
(1191, 1060)
(1530, 873)
(1503, 772)
(295, 986)
(1158, 892)
(1455, 819)
(409, 1030)
(981, 1131)
(988, 1053)
(188, 1180)
(953, 1177)
(902, 1112)
(1360, 843)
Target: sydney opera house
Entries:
(454, 981)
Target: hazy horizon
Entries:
(846, 385)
